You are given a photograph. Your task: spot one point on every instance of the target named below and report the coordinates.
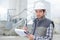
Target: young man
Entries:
(42, 27)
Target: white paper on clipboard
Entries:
(20, 32)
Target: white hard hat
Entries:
(39, 5)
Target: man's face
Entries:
(40, 13)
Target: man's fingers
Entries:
(25, 28)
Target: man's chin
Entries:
(39, 17)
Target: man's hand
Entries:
(25, 28)
(30, 37)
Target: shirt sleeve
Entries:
(48, 36)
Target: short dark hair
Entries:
(43, 10)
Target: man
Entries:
(42, 27)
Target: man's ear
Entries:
(44, 13)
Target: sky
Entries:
(55, 8)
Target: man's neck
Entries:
(41, 18)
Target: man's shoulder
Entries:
(51, 22)
(34, 19)
(48, 19)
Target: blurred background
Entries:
(18, 13)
